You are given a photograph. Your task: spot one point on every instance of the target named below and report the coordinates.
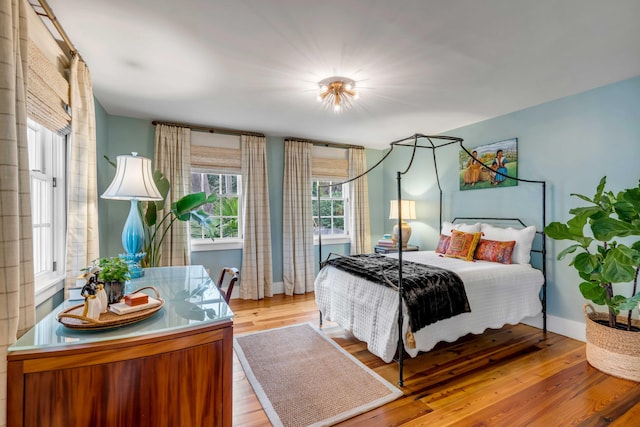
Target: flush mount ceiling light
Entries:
(337, 93)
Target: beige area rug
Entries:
(303, 378)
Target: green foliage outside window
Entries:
(224, 212)
(332, 207)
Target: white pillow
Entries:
(523, 237)
(465, 228)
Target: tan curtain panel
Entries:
(360, 227)
(48, 93)
(16, 241)
(256, 276)
(297, 225)
(82, 208)
(173, 159)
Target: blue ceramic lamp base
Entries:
(132, 239)
(133, 260)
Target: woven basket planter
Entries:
(613, 351)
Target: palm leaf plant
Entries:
(157, 223)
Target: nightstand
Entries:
(389, 250)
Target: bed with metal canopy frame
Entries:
(419, 142)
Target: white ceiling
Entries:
(422, 66)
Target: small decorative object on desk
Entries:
(92, 306)
(136, 299)
(102, 297)
(74, 318)
(112, 273)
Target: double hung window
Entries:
(47, 161)
(226, 211)
(330, 217)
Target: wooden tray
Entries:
(72, 317)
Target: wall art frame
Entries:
(500, 160)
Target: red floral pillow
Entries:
(462, 245)
(443, 244)
(495, 251)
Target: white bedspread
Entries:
(498, 295)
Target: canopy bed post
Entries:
(544, 257)
(400, 289)
(435, 167)
(400, 251)
(319, 238)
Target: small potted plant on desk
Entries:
(613, 341)
(113, 273)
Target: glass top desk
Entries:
(191, 298)
(184, 351)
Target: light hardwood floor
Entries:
(514, 376)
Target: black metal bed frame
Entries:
(444, 141)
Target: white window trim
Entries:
(201, 245)
(332, 240)
(50, 284)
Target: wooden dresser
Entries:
(172, 369)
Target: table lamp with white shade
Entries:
(134, 182)
(408, 211)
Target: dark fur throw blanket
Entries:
(430, 293)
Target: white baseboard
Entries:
(559, 325)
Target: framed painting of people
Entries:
(490, 166)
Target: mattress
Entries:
(498, 294)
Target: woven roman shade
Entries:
(328, 163)
(330, 168)
(47, 93)
(219, 159)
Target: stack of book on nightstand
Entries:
(387, 241)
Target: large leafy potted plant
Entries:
(607, 258)
(187, 208)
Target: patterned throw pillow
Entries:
(523, 237)
(462, 245)
(443, 244)
(495, 251)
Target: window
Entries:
(226, 211)
(333, 207)
(47, 153)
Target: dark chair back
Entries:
(232, 275)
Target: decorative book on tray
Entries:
(124, 308)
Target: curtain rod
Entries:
(54, 20)
(326, 143)
(208, 128)
(243, 132)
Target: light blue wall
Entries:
(570, 143)
(104, 174)
(120, 135)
